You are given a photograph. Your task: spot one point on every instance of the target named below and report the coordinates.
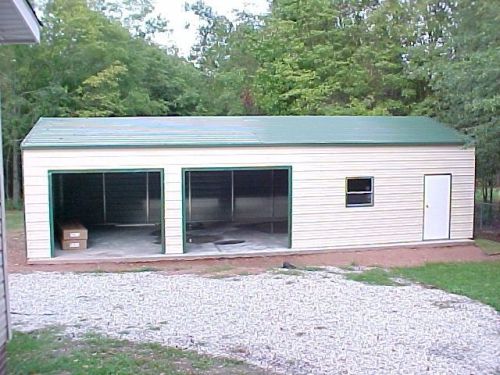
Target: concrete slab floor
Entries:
(116, 242)
(253, 240)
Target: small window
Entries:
(359, 191)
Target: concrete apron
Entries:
(255, 254)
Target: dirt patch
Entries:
(388, 257)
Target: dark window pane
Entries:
(359, 184)
(355, 199)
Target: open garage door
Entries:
(119, 212)
(236, 210)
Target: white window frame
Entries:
(370, 192)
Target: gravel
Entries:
(316, 322)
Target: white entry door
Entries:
(437, 196)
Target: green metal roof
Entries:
(238, 131)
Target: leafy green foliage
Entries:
(464, 80)
(100, 93)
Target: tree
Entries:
(224, 53)
(90, 64)
(135, 15)
(465, 82)
(100, 94)
(334, 57)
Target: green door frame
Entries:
(113, 170)
(208, 169)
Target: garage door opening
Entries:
(107, 214)
(237, 210)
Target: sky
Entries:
(178, 18)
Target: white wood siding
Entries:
(320, 219)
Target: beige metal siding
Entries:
(320, 219)
(4, 287)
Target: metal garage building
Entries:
(156, 187)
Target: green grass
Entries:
(374, 276)
(133, 270)
(287, 272)
(313, 268)
(488, 246)
(15, 219)
(479, 281)
(49, 352)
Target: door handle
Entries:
(426, 206)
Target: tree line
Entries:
(317, 57)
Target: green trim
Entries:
(183, 209)
(230, 145)
(372, 178)
(208, 169)
(113, 170)
(51, 217)
(290, 197)
(162, 214)
(451, 202)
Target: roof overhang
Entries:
(18, 23)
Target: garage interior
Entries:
(236, 211)
(121, 211)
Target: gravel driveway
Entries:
(315, 323)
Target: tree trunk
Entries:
(7, 172)
(16, 176)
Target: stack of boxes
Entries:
(73, 235)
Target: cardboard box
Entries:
(72, 230)
(73, 244)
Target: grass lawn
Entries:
(50, 352)
(374, 276)
(488, 246)
(15, 219)
(479, 281)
